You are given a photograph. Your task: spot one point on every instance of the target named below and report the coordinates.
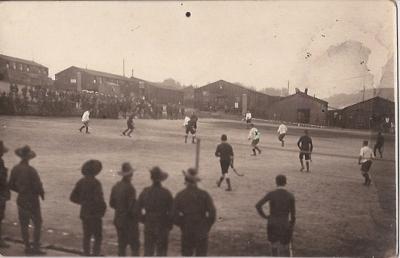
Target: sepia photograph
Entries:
(199, 128)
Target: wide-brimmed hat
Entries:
(91, 167)
(158, 175)
(191, 175)
(126, 169)
(3, 149)
(25, 152)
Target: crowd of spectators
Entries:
(43, 101)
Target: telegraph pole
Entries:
(123, 67)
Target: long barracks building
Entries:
(76, 78)
(225, 96)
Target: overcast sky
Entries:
(327, 46)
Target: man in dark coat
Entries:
(89, 194)
(4, 191)
(194, 213)
(123, 199)
(281, 206)
(156, 203)
(225, 153)
(25, 180)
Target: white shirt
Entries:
(282, 129)
(254, 134)
(248, 115)
(186, 121)
(366, 154)
(85, 116)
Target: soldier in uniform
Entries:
(123, 199)
(25, 180)
(156, 203)
(88, 193)
(4, 191)
(194, 213)
(281, 206)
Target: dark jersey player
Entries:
(306, 147)
(130, 125)
(225, 153)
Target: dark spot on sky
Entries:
(188, 14)
(323, 35)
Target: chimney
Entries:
(374, 92)
(306, 91)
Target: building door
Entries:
(303, 116)
(244, 104)
(221, 102)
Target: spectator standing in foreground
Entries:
(156, 203)
(194, 213)
(123, 200)
(25, 180)
(88, 193)
(281, 207)
(4, 191)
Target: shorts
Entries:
(305, 154)
(190, 129)
(130, 126)
(366, 166)
(279, 230)
(255, 142)
(248, 121)
(225, 166)
(281, 136)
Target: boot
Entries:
(228, 182)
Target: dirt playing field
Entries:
(336, 214)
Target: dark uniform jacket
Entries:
(89, 194)
(4, 190)
(25, 180)
(281, 205)
(194, 211)
(224, 151)
(123, 199)
(157, 202)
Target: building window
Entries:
(8, 65)
(20, 67)
(73, 80)
(27, 69)
(94, 81)
(14, 66)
